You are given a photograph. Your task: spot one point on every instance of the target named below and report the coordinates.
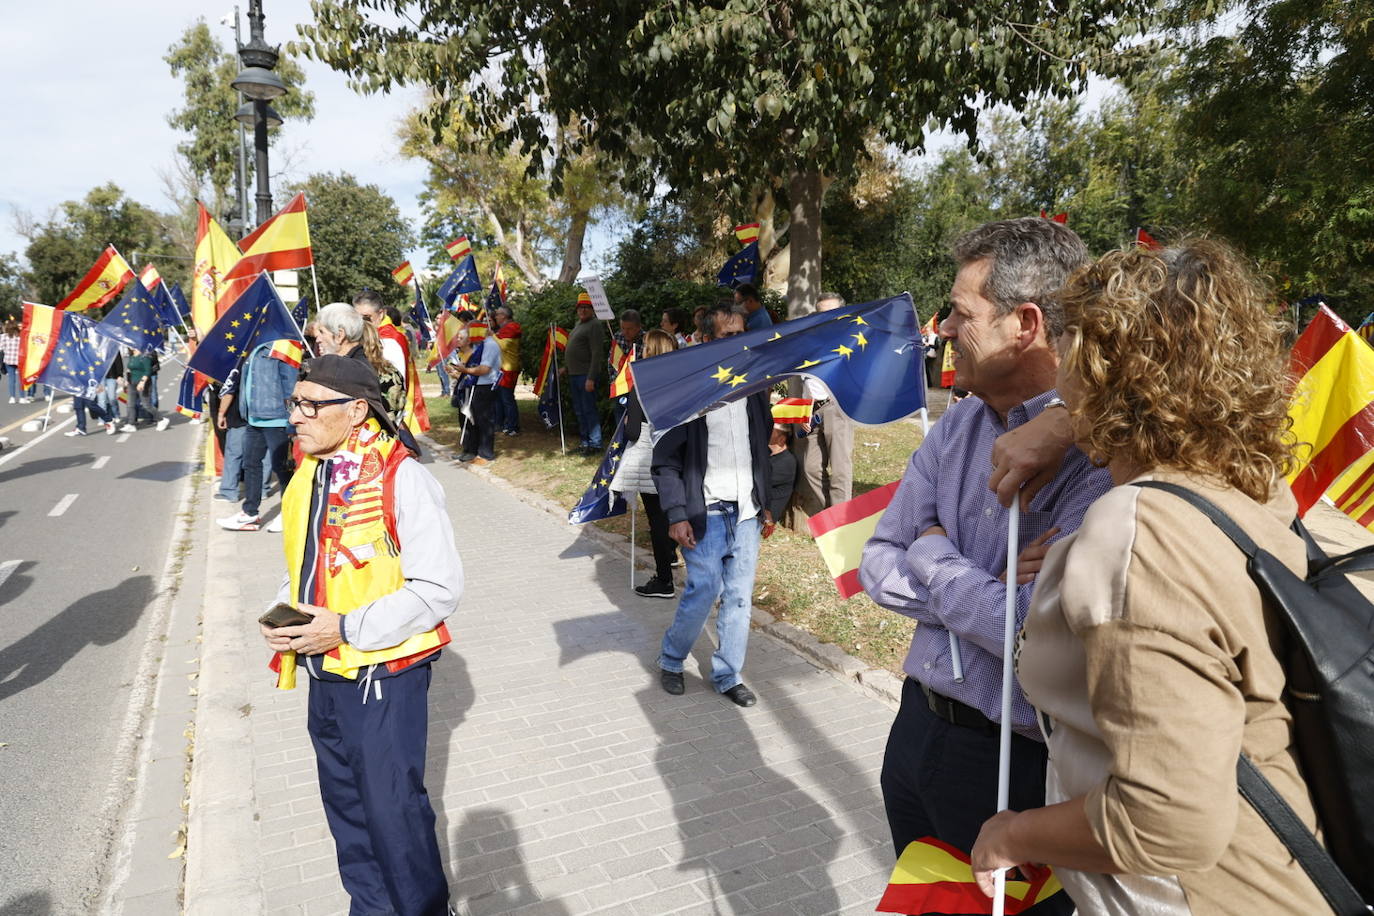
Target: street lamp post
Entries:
(240, 223)
(259, 84)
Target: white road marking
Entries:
(100, 462)
(7, 569)
(9, 455)
(123, 437)
(63, 505)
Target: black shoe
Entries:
(741, 695)
(591, 450)
(656, 588)
(466, 457)
(672, 682)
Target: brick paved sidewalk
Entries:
(565, 780)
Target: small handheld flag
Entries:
(1061, 218)
(150, 278)
(1145, 240)
(624, 381)
(747, 233)
(403, 274)
(459, 248)
(598, 501)
(793, 410)
(290, 352)
(934, 877)
(842, 530)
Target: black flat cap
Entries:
(352, 378)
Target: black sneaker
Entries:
(741, 695)
(466, 457)
(656, 588)
(672, 682)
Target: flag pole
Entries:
(48, 413)
(999, 895)
(294, 323)
(633, 513)
(925, 422)
(557, 391)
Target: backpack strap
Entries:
(1209, 509)
(1298, 840)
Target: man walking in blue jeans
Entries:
(713, 482)
(584, 361)
(266, 384)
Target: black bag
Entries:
(1330, 675)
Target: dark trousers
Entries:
(665, 548)
(479, 435)
(507, 414)
(371, 762)
(79, 407)
(940, 779)
(259, 441)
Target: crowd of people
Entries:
(1145, 663)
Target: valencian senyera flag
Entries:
(102, 283)
(869, 356)
(1332, 407)
(256, 317)
(80, 359)
(598, 501)
(134, 321)
(190, 399)
(935, 878)
(842, 530)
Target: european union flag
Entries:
(462, 280)
(742, 268)
(420, 315)
(165, 308)
(301, 313)
(133, 321)
(868, 355)
(599, 502)
(190, 399)
(256, 317)
(550, 399)
(80, 358)
(179, 300)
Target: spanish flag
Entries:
(932, 877)
(477, 331)
(403, 274)
(281, 243)
(793, 410)
(933, 325)
(102, 283)
(150, 278)
(557, 340)
(624, 381)
(947, 367)
(215, 256)
(37, 338)
(290, 352)
(749, 232)
(1332, 408)
(842, 531)
(416, 414)
(459, 248)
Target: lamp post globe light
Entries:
(259, 84)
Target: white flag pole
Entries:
(557, 391)
(48, 413)
(1008, 687)
(925, 422)
(633, 513)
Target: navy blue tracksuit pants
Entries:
(371, 759)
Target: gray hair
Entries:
(825, 297)
(342, 319)
(371, 298)
(1029, 260)
(631, 315)
(730, 307)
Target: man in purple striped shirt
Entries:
(939, 553)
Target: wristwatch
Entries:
(1056, 402)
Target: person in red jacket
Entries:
(508, 338)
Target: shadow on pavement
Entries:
(6, 516)
(99, 619)
(44, 465)
(450, 689)
(37, 903)
(165, 471)
(492, 828)
(17, 583)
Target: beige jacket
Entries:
(1147, 655)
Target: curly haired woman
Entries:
(1145, 651)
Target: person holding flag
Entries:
(508, 339)
(939, 550)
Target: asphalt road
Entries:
(85, 529)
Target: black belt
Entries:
(956, 713)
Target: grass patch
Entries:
(792, 583)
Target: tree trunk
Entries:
(805, 190)
(514, 248)
(572, 252)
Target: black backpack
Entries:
(1330, 674)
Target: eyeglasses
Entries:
(309, 408)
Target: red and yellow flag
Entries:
(934, 877)
(445, 334)
(947, 367)
(1145, 240)
(625, 380)
(215, 256)
(1061, 218)
(403, 274)
(933, 325)
(102, 283)
(749, 232)
(37, 339)
(281, 243)
(557, 340)
(459, 248)
(1333, 405)
(793, 410)
(618, 355)
(150, 278)
(291, 352)
(416, 415)
(842, 531)
(477, 331)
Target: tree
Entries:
(747, 97)
(63, 248)
(12, 287)
(206, 70)
(358, 237)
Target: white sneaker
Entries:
(11, 400)
(162, 424)
(239, 521)
(75, 432)
(128, 428)
(274, 526)
(109, 428)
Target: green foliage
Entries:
(61, 250)
(358, 237)
(12, 287)
(207, 69)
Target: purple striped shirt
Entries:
(949, 583)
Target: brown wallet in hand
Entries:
(284, 615)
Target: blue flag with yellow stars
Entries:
(742, 268)
(133, 321)
(179, 299)
(463, 280)
(869, 356)
(550, 399)
(599, 502)
(301, 313)
(80, 358)
(163, 305)
(420, 315)
(257, 317)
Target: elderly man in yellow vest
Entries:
(370, 558)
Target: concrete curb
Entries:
(876, 682)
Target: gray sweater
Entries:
(586, 353)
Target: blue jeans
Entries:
(507, 415)
(12, 374)
(584, 407)
(444, 383)
(720, 566)
(152, 389)
(233, 464)
(79, 407)
(272, 443)
(109, 397)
